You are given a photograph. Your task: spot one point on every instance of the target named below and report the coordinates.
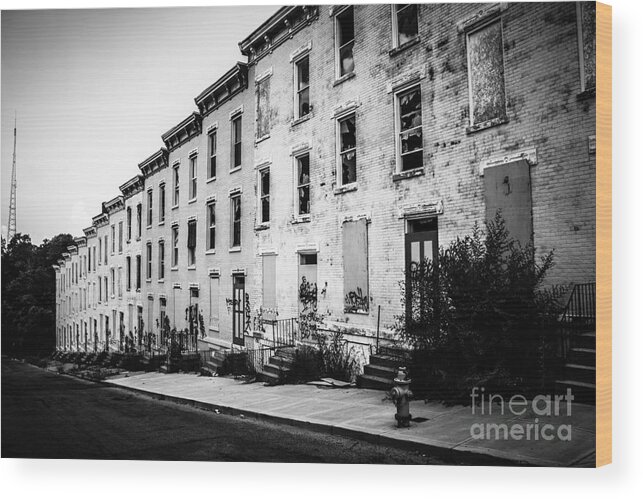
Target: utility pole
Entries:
(11, 226)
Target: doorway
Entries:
(420, 245)
(238, 308)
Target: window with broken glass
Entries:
(344, 41)
(347, 149)
(409, 143)
(405, 24)
(236, 142)
(212, 154)
(303, 184)
(486, 75)
(235, 220)
(191, 243)
(212, 227)
(264, 195)
(302, 87)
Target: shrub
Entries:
(306, 365)
(476, 316)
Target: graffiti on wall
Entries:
(356, 301)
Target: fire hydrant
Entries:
(402, 394)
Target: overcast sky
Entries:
(94, 90)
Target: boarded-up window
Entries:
(355, 250)
(587, 43)
(269, 303)
(263, 108)
(214, 302)
(486, 74)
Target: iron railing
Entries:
(579, 314)
(257, 358)
(282, 332)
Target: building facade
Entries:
(351, 143)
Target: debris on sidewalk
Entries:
(331, 383)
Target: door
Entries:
(238, 308)
(307, 288)
(421, 244)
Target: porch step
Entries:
(277, 370)
(583, 356)
(582, 392)
(380, 371)
(374, 382)
(578, 372)
(584, 340)
(387, 361)
(269, 378)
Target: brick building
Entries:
(352, 142)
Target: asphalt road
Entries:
(46, 415)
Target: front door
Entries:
(421, 244)
(238, 308)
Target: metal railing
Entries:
(579, 314)
(282, 332)
(257, 358)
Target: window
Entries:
(149, 208)
(128, 270)
(100, 291)
(120, 282)
(100, 251)
(113, 239)
(175, 176)
(161, 203)
(161, 260)
(120, 237)
(346, 147)
(148, 261)
(112, 274)
(264, 195)
(212, 154)
(106, 288)
(263, 108)
(175, 246)
(236, 142)
(405, 24)
(214, 302)
(303, 184)
(191, 243)
(235, 220)
(89, 259)
(586, 14)
(486, 75)
(355, 252)
(95, 257)
(269, 284)
(138, 272)
(129, 223)
(193, 177)
(105, 252)
(211, 221)
(344, 41)
(139, 218)
(408, 110)
(302, 87)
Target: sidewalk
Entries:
(365, 415)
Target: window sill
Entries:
(175, 207)
(341, 80)
(301, 119)
(235, 249)
(149, 280)
(174, 269)
(261, 139)
(192, 201)
(138, 238)
(211, 179)
(262, 226)
(149, 226)
(487, 124)
(162, 222)
(587, 94)
(191, 267)
(300, 219)
(357, 312)
(235, 169)
(210, 252)
(138, 290)
(401, 48)
(161, 281)
(415, 172)
(345, 188)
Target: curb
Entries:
(468, 457)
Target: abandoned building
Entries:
(351, 142)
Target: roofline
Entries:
(264, 27)
(193, 116)
(220, 82)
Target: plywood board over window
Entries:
(355, 252)
(263, 108)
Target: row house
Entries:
(351, 144)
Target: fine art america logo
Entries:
(522, 416)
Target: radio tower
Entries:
(11, 227)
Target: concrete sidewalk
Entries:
(367, 415)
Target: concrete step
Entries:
(275, 369)
(277, 360)
(269, 378)
(380, 371)
(578, 372)
(583, 356)
(582, 392)
(374, 382)
(387, 361)
(584, 340)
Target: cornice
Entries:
(178, 135)
(224, 89)
(72, 249)
(133, 186)
(154, 163)
(100, 220)
(90, 231)
(80, 241)
(114, 205)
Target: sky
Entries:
(93, 91)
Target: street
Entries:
(53, 416)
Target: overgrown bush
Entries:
(477, 315)
(306, 365)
